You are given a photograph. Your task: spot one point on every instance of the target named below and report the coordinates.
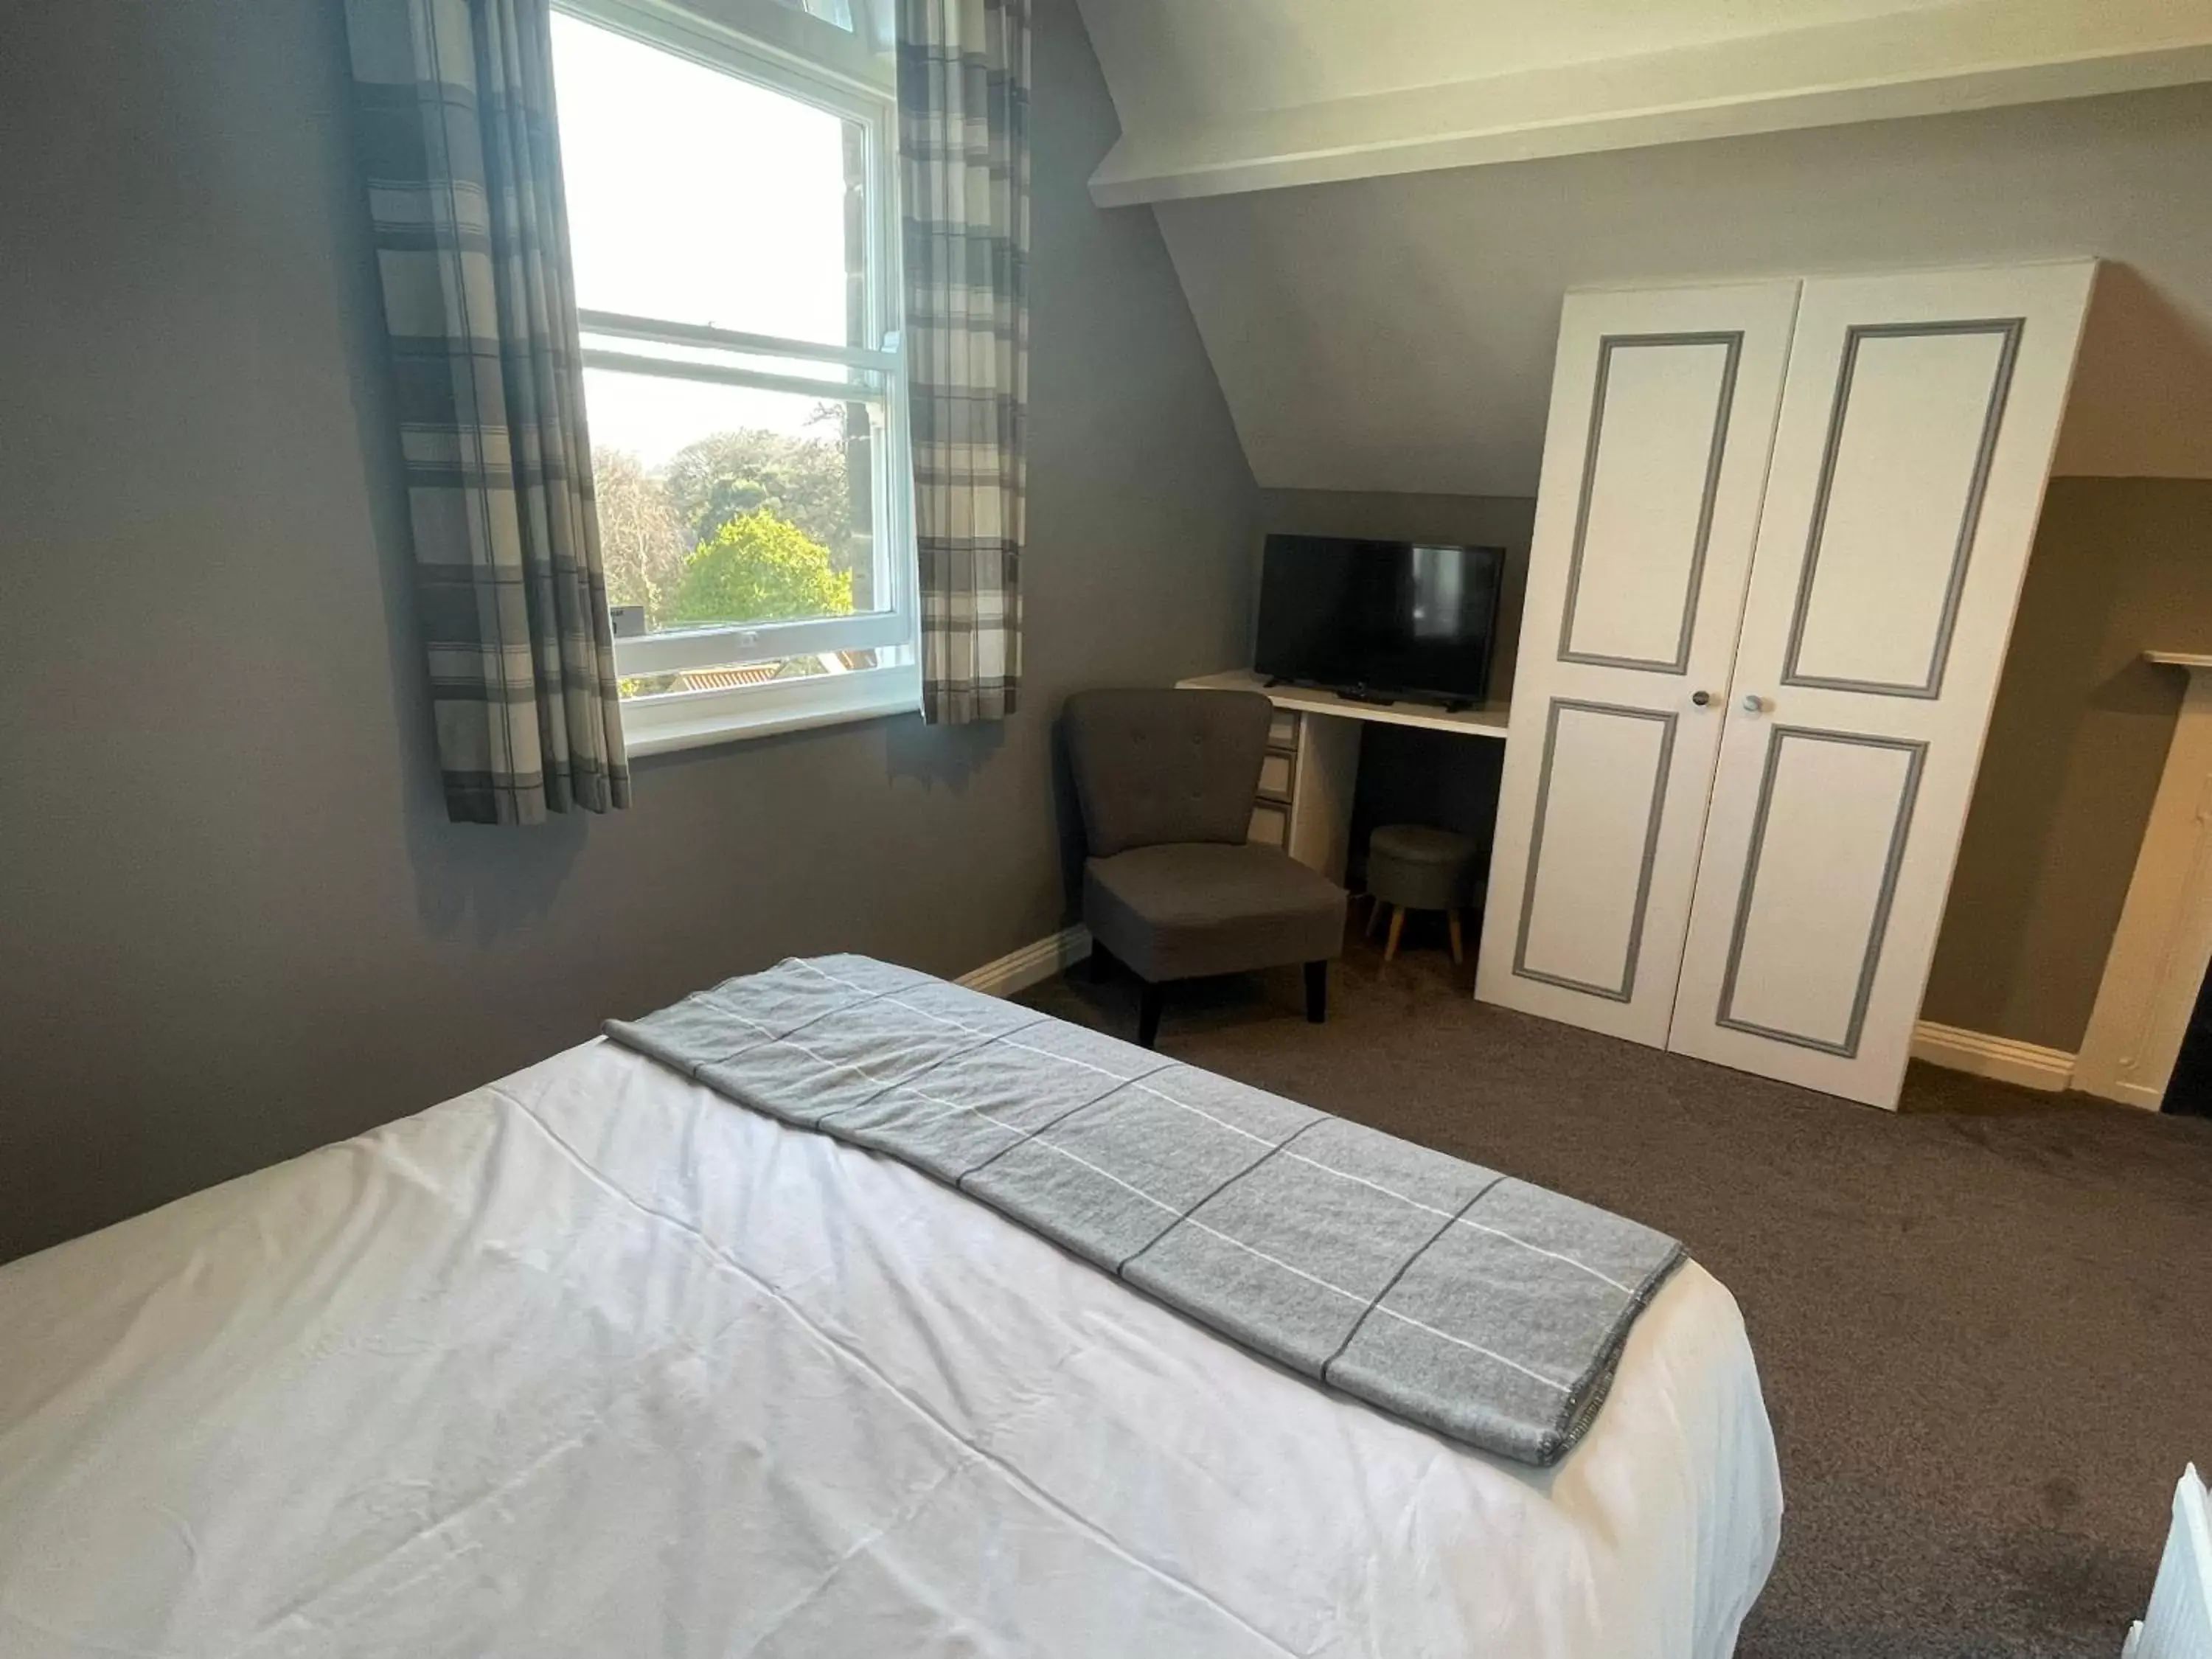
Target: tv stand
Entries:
(1361, 694)
(1318, 829)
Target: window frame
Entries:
(846, 73)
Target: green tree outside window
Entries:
(740, 525)
(758, 568)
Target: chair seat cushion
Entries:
(1421, 868)
(1187, 908)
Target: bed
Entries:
(591, 1361)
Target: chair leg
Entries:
(1459, 940)
(1148, 1017)
(1316, 993)
(1101, 962)
(1376, 907)
(1397, 929)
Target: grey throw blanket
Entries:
(1458, 1298)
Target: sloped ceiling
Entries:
(1179, 63)
(1220, 96)
(1395, 334)
(1391, 330)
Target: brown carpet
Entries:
(1985, 1326)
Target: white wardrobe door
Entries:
(1662, 408)
(1908, 472)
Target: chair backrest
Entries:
(1157, 767)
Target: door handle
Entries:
(1753, 703)
(1701, 698)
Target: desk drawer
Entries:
(1270, 825)
(1283, 729)
(1276, 771)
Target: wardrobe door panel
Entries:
(1663, 406)
(1918, 409)
(1915, 439)
(1826, 838)
(1599, 792)
(1640, 539)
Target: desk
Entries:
(1306, 787)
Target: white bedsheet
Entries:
(590, 1361)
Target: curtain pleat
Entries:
(963, 89)
(463, 169)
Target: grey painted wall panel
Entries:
(234, 922)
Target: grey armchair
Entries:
(1165, 780)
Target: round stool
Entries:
(1411, 866)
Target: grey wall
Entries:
(234, 922)
(2077, 741)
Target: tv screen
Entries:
(1410, 618)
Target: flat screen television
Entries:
(1379, 619)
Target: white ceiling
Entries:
(1225, 96)
(1395, 334)
(1182, 62)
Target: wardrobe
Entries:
(1780, 541)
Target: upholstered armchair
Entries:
(1171, 886)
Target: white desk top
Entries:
(2189, 660)
(1487, 721)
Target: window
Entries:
(734, 231)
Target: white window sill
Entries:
(695, 719)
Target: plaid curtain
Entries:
(455, 106)
(963, 94)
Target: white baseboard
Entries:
(1032, 964)
(2001, 1058)
(2128, 1094)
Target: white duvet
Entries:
(591, 1362)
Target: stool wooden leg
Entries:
(1317, 992)
(1375, 909)
(1397, 927)
(1459, 943)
